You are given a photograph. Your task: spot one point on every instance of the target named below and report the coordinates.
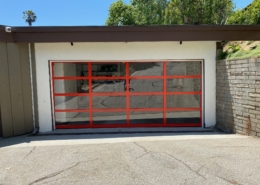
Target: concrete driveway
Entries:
(192, 158)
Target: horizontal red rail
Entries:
(183, 109)
(162, 77)
(71, 94)
(71, 78)
(121, 77)
(126, 126)
(131, 109)
(108, 78)
(86, 62)
(124, 94)
(188, 76)
(72, 110)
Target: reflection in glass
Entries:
(183, 101)
(108, 69)
(146, 85)
(71, 102)
(137, 117)
(71, 86)
(183, 68)
(175, 117)
(146, 69)
(101, 102)
(100, 118)
(70, 69)
(100, 86)
(72, 118)
(183, 85)
(150, 101)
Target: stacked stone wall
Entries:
(238, 96)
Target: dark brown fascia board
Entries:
(131, 33)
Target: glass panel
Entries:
(72, 117)
(100, 118)
(100, 102)
(71, 86)
(146, 69)
(183, 101)
(137, 117)
(183, 68)
(71, 69)
(149, 101)
(108, 86)
(183, 85)
(71, 102)
(109, 69)
(146, 85)
(175, 117)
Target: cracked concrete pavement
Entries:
(176, 158)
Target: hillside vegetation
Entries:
(240, 50)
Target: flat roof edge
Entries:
(130, 33)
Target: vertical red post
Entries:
(201, 70)
(127, 94)
(53, 97)
(164, 91)
(52, 73)
(90, 93)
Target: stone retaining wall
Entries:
(238, 96)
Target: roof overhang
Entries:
(130, 33)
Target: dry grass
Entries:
(242, 49)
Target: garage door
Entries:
(127, 94)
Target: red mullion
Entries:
(183, 109)
(187, 76)
(130, 109)
(53, 97)
(146, 109)
(69, 62)
(169, 93)
(108, 78)
(72, 110)
(162, 77)
(71, 94)
(108, 110)
(108, 94)
(127, 94)
(201, 93)
(52, 72)
(90, 93)
(70, 78)
(106, 62)
(125, 126)
(124, 93)
(145, 77)
(145, 93)
(164, 92)
(162, 109)
(141, 93)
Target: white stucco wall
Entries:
(123, 51)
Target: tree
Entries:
(198, 11)
(138, 12)
(150, 12)
(29, 17)
(248, 15)
(121, 14)
(167, 12)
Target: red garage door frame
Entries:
(127, 94)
